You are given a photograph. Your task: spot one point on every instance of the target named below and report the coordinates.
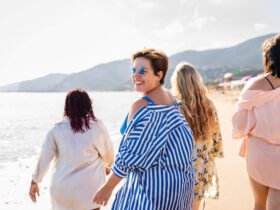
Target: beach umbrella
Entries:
(228, 75)
(247, 78)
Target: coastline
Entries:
(235, 192)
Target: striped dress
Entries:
(156, 157)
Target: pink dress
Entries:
(257, 121)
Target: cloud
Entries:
(149, 5)
(260, 26)
(169, 31)
(199, 21)
(219, 1)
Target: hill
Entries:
(115, 75)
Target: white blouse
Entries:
(79, 167)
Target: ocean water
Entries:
(25, 119)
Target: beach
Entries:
(15, 173)
(235, 192)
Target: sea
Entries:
(25, 118)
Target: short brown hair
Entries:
(271, 56)
(158, 59)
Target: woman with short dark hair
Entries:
(155, 154)
(81, 147)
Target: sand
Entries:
(235, 192)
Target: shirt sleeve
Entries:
(140, 148)
(243, 122)
(217, 150)
(48, 152)
(104, 145)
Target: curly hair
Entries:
(158, 59)
(78, 108)
(197, 108)
(271, 56)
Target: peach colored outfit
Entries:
(257, 121)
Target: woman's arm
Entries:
(104, 145)
(103, 194)
(217, 150)
(48, 152)
(243, 122)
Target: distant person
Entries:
(200, 113)
(81, 146)
(155, 154)
(228, 77)
(257, 121)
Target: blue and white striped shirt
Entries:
(156, 156)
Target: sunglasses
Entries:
(140, 71)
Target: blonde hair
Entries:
(198, 109)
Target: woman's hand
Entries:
(103, 194)
(34, 189)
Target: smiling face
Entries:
(144, 81)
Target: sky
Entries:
(65, 36)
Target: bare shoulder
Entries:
(258, 83)
(135, 106)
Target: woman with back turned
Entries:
(257, 121)
(200, 113)
(155, 154)
(81, 146)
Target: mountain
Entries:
(115, 75)
(41, 84)
(214, 63)
(245, 54)
(103, 77)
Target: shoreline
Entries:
(15, 176)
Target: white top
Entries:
(79, 168)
